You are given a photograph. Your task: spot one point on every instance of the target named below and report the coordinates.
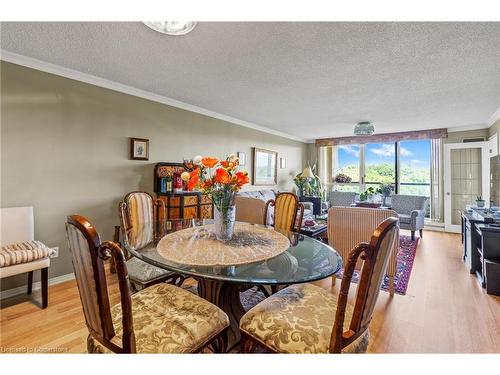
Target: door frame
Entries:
(485, 178)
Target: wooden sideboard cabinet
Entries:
(187, 205)
(180, 205)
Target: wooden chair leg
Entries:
(248, 344)
(392, 288)
(116, 238)
(334, 280)
(30, 282)
(45, 287)
(219, 344)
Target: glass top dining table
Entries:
(301, 259)
(305, 260)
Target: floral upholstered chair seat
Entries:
(144, 272)
(298, 319)
(168, 319)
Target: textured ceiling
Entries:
(305, 79)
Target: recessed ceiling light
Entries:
(171, 27)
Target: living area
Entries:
(142, 212)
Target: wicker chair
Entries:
(348, 226)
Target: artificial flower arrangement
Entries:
(220, 179)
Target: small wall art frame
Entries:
(282, 163)
(139, 149)
(242, 158)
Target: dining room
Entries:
(237, 187)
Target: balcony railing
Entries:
(410, 188)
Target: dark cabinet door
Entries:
(468, 246)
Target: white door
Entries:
(466, 176)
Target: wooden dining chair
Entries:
(286, 206)
(305, 318)
(138, 213)
(162, 318)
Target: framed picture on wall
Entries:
(139, 149)
(282, 163)
(265, 167)
(242, 158)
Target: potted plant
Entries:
(479, 201)
(342, 178)
(310, 188)
(386, 191)
(308, 183)
(367, 194)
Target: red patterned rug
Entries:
(406, 256)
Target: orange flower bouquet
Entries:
(220, 179)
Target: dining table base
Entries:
(227, 297)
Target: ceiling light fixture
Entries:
(171, 27)
(364, 128)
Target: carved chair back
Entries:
(375, 257)
(285, 206)
(88, 255)
(138, 212)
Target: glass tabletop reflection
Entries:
(305, 260)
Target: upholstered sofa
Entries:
(251, 206)
(411, 211)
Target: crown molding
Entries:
(119, 87)
(494, 117)
(468, 127)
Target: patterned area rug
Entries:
(406, 256)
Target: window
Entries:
(380, 164)
(348, 164)
(405, 165)
(415, 167)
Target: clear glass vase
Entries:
(224, 218)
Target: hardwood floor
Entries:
(444, 311)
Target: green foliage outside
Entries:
(384, 173)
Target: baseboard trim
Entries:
(36, 286)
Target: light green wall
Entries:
(64, 150)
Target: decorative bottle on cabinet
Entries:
(177, 183)
(168, 183)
